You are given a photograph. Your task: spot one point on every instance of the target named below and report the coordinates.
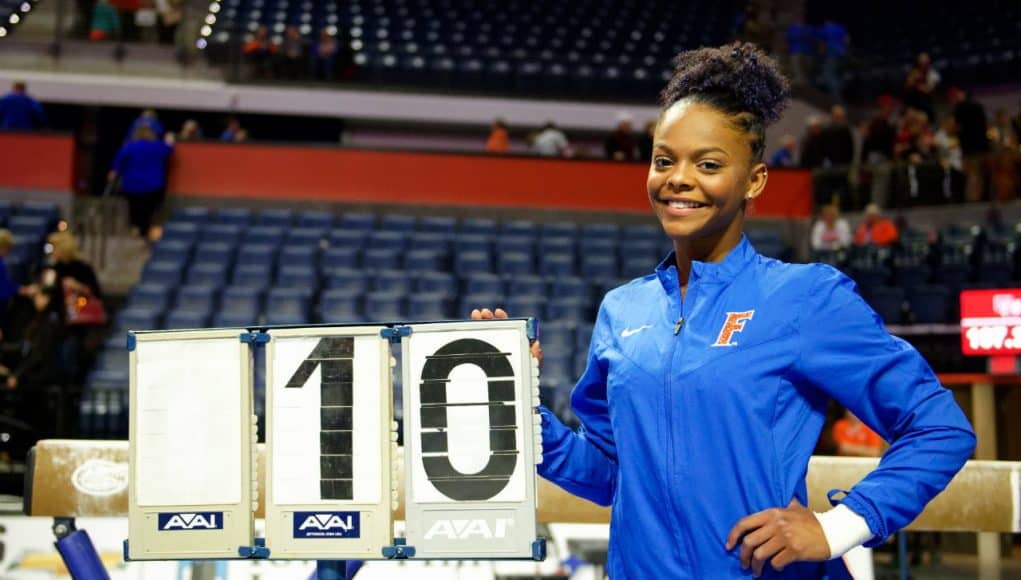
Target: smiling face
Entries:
(702, 173)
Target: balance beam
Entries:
(82, 478)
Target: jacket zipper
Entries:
(673, 471)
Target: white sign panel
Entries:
(330, 449)
(469, 440)
(191, 441)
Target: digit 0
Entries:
(502, 432)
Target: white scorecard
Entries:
(470, 440)
(331, 440)
(191, 489)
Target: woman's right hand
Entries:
(487, 314)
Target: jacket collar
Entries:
(723, 271)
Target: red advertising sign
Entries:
(991, 322)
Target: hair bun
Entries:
(748, 79)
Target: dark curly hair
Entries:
(738, 79)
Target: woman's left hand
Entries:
(779, 536)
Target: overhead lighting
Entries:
(26, 7)
(206, 30)
(3, 32)
(214, 7)
(210, 19)
(201, 44)
(15, 19)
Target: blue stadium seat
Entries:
(929, 304)
(340, 238)
(435, 241)
(642, 233)
(470, 302)
(524, 228)
(235, 319)
(297, 276)
(526, 285)
(149, 296)
(514, 243)
(388, 239)
(304, 255)
(438, 224)
(382, 258)
(483, 226)
(556, 336)
(257, 255)
(321, 220)
(483, 283)
(393, 222)
(436, 282)
(226, 233)
(391, 281)
(515, 263)
(256, 276)
(286, 317)
(194, 214)
(556, 264)
(136, 319)
(559, 230)
(570, 287)
(567, 310)
(636, 266)
(349, 280)
(308, 236)
(910, 275)
(162, 273)
(241, 216)
(220, 253)
(179, 319)
(28, 226)
(207, 274)
(525, 305)
(599, 266)
(196, 298)
(47, 210)
(418, 260)
(241, 299)
(172, 251)
(428, 306)
(469, 263)
(582, 338)
(600, 231)
(264, 235)
(355, 221)
(275, 217)
(338, 305)
(382, 306)
(472, 243)
(340, 257)
(635, 248)
(285, 305)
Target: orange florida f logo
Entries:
(735, 323)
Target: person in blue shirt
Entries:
(707, 382)
(801, 50)
(141, 166)
(784, 156)
(836, 42)
(19, 111)
(149, 118)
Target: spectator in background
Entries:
(920, 84)
(812, 152)
(835, 42)
(972, 129)
(499, 140)
(232, 129)
(645, 141)
(241, 136)
(875, 230)
(37, 364)
(830, 232)
(551, 141)
(169, 14)
(837, 139)
(126, 10)
(8, 289)
(106, 22)
(801, 51)
(73, 278)
(292, 54)
(1005, 157)
(855, 439)
(324, 56)
(880, 133)
(914, 141)
(785, 155)
(259, 53)
(141, 165)
(19, 111)
(148, 118)
(190, 131)
(620, 145)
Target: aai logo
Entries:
(327, 525)
(173, 521)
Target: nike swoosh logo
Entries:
(629, 331)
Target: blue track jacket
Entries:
(685, 434)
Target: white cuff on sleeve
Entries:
(844, 529)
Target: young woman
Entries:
(707, 381)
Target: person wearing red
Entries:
(875, 230)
